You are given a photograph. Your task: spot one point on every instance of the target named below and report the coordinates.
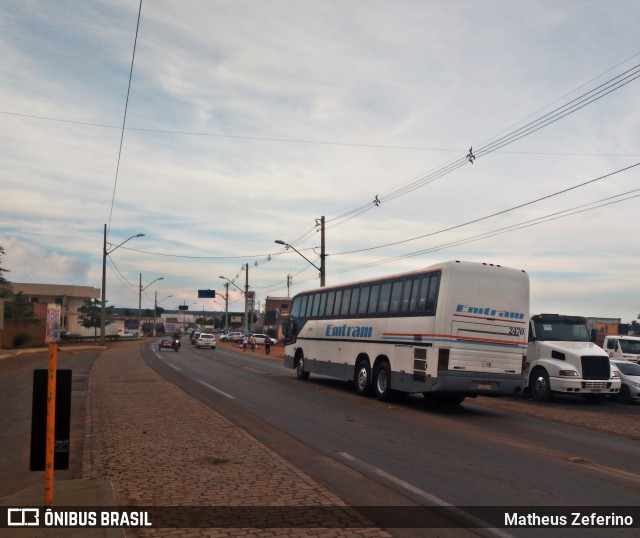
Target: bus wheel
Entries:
(300, 371)
(363, 378)
(382, 382)
(540, 387)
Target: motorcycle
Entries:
(175, 343)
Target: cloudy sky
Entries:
(247, 120)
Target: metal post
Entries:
(51, 424)
(103, 310)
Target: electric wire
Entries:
(124, 120)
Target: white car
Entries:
(630, 378)
(206, 340)
(261, 338)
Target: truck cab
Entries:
(562, 359)
(622, 348)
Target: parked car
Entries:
(232, 337)
(206, 340)
(261, 338)
(194, 336)
(630, 377)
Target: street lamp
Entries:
(155, 310)
(140, 290)
(105, 253)
(246, 297)
(322, 257)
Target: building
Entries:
(70, 299)
(276, 315)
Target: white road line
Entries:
(431, 499)
(216, 390)
(174, 367)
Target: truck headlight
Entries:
(568, 373)
(615, 373)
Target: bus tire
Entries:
(364, 386)
(300, 371)
(382, 382)
(540, 386)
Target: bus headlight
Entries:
(568, 373)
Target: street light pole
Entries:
(105, 253)
(241, 291)
(140, 290)
(322, 268)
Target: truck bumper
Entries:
(582, 386)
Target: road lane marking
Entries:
(216, 390)
(428, 497)
(174, 367)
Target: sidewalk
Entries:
(147, 443)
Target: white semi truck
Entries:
(562, 359)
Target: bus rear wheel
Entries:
(363, 378)
(382, 382)
(300, 371)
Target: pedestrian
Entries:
(267, 345)
(252, 342)
(245, 341)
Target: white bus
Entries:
(449, 331)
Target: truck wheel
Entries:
(540, 386)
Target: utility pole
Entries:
(322, 253)
(246, 300)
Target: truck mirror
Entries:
(593, 334)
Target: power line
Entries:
(124, 119)
(502, 212)
(525, 224)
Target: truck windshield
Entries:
(630, 346)
(561, 330)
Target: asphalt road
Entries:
(468, 456)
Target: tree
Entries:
(91, 315)
(5, 285)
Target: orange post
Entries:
(51, 425)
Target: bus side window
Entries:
(323, 303)
(316, 306)
(330, 299)
(303, 306)
(373, 299)
(336, 308)
(364, 300)
(385, 292)
(406, 296)
(355, 296)
(415, 290)
(424, 291)
(396, 297)
(346, 296)
(432, 298)
(310, 306)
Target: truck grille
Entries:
(595, 367)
